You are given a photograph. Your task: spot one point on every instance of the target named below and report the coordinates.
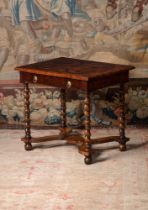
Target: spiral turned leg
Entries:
(87, 134)
(63, 108)
(28, 145)
(122, 141)
(63, 113)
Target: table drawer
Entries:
(42, 79)
(52, 81)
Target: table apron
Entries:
(114, 79)
(65, 83)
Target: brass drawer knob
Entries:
(69, 84)
(35, 79)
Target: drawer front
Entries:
(52, 81)
(42, 79)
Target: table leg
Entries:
(28, 145)
(122, 141)
(63, 108)
(87, 133)
(63, 114)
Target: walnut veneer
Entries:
(82, 75)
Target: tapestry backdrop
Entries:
(103, 30)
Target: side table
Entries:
(87, 76)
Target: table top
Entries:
(74, 68)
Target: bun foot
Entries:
(28, 146)
(122, 147)
(88, 160)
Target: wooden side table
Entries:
(82, 75)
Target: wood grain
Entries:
(82, 75)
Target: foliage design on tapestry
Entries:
(36, 30)
(45, 107)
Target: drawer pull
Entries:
(35, 79)
(69, 84)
